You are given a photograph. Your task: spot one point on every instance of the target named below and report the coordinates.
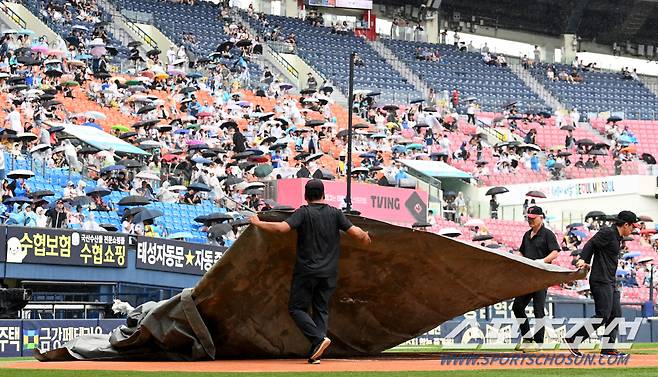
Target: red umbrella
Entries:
(647, 231)
(169, 157)
(535, 194)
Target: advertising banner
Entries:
(65, 247)
(390, 204)
(161, 254)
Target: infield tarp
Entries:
(402, 285)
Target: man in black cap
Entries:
(539, 244)
(605, 247)
(314, 278)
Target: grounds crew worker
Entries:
(315, 274)
(539, 244)
(605, 247)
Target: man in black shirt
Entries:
(538, 244)
(56, 216)
(315, 274)
(605, 246)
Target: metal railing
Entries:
(289, 67)
(13, 15)
(141, 33)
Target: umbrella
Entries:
(323, 174)
(535, 194)
(109, 227)
(100, 191)
(632, 254)
(147, 175)
(648, 158)
(314, 123)
(216, 231)
(614, 118)
(41, 194)
(201, 160)
(111, 168)
(134, 44)
(95, 115)
(126, 135)
(390, 108)
(130, 164)
(574, 225)
(510, 103)
(567, 127)
(40, 148)
(147, 214)
(450, 232)
(586, 142)
(79, 201)
(146, 109)
(597, 152)
(645, 260)
(199, 187)
(483, 237)
(314, 157)
(474, 222)
(595, 214)
(120, 128)
(564, 154)
(645, 218)
(134, 200)
(20, 173)
(497, 190)
(17, 200)
(262, 171)
(146, 123)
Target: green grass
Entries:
(617, 372)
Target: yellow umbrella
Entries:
(120, 128)
(161, 76)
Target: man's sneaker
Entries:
(612, 352)
(528, 345)
(311, 361)
(572, 348)
(320, 348)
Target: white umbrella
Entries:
(177, 188)
(20, 173)
(146, 174)
(39, 148)
(474, 222)
(95, 115)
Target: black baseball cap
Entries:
(315, 185)
(628, 217)
(535, 211)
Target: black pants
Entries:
(471, 118)
(538, 303)
(607, 307)
(315, 292)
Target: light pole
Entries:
(350, 104)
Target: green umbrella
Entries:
(71, 83)
(193, 126)
(133, 82)
(120, 128)
(414, 146)
(262, 171)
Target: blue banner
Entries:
(10, 338)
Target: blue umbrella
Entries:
(182, 131)
(194, 75)
(399, 148)
(201, 160)
(112, 168)
(625, 139)
(621, 272)
(92, 124)
(579, 234)
(100, 191)
(84, 57)
(25, 32)
(632, 254)
(367, 155)
(199, 187)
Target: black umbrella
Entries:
(421, 225)
(223, 46)
(586, 142)
(187, 89)
(17, 87)
(126, 135)
(497, 190)
(100, 191)
(131, 212)
(342, 133)
(218, 217)
(564, 154)
(601, 146)
(134, 44)
(243, 155)
(360, 126)
(323, 174)
(52, 102)
(595, 214)
(243, 43)
(648, 158)
(197, 147)
(614, 118)
(146, 123)
(134, 200)
(102, 75)
(233, 180)
(567, 127)
(41, 194)
(314, 123)
(146, 109)
(419, 100)
(390, 108)
(219, 230)
(79, 201)
(199, 187)
(154, 52)
(510, 103)
(327, 89)
(597, 152)
(17, 200)
(147, 214)
(307, 91)
(54, 73)
(229, 124)
(483, 237)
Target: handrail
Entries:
(141, 33)
(13, 15)
(293, 71)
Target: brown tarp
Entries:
(402, 285)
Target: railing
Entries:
(13, 15)
(141, 33)
(293, 71)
